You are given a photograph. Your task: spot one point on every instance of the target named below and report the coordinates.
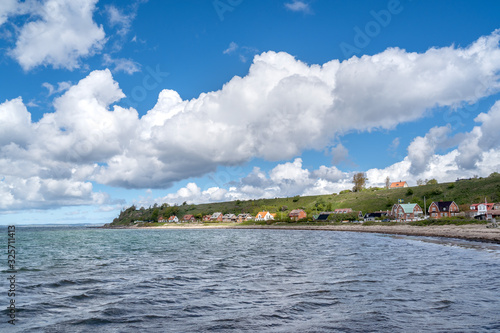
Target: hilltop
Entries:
(463, 192)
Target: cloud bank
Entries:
(279, 109)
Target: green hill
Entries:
(463, 192)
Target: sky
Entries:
(108, 104)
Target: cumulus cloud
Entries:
(422, 149)
(279, 109)
(482, 138)
(64, 33)
(7, 8)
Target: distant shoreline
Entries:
(472, 232)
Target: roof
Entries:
(408, 208)
(322, 217)
(173, 217)
(296, 212)
(216, 214)
(398, 184)
(262, 214)
(188, 217)
(443, 206)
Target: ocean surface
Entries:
(97, 280)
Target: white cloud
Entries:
(422, 149)
(122, 65)
(232, 47)
(64, 33)
(482, 138)
(279, 109)
(340, 154)
(119, 19)
(61, 86)
(7, 8)
(298, 6)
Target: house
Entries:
(443, 209)
(173, 218)
(297, 214)
(342, 210)
(406, 212)
(244, 217)
(229, 218)
(373, 216)
(161, 219)
(264, 216)
(481, 208)
(188, 218)
(493, 214)
(399, 184)
(216, 217)
(206, 218)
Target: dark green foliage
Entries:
(409, 192)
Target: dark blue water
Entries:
(94, 280)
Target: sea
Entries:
(76, 279)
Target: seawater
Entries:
(99, 280)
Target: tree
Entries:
(431, 182)
(359, 179)
(420, 182)
(154, 215)
(387, 182)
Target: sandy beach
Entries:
(473, 232)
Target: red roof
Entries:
(398, 184)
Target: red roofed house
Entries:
(399, 184)
(188, 218)
(161, 219)
(206, 218)
(173, 218)
(264, 216)
(443, 209)
(297, 214)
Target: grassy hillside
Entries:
(463, 192)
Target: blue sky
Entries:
(105, 104)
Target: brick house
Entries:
(297, 214)
(216, 217)
(443, 209)
(188, 218)
(406, 212)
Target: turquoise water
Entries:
(98, 280)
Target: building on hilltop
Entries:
(399, 184)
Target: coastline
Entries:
(471, 232)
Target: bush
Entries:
(409, 192)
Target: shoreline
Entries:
(471, 232)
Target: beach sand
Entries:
(473, 232)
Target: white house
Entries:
(264, 216)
